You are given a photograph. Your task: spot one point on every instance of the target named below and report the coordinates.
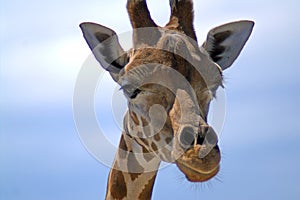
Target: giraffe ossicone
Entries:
(169, 82)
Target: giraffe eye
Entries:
(135, 93)
(131, 91)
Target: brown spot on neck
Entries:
(147, 191)
(157, 137)
(168, 140)
(134, 118)
(154, 147)
(134, 176)
(147, 154)
(123, 149)
(144, 121)
(145, 141)
(117, 185)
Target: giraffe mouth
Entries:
(199, 169)
(197, 175)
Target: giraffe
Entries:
(169, 81)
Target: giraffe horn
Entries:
(182, 17)
(139, 14)
(145, 29)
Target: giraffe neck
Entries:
(133, 173)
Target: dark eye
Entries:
(131, 91)
(134, 93)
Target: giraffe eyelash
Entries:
(135, 93)
(131, 91)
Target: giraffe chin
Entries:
(195, 176)
(199, 169)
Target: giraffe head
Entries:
(169, 81)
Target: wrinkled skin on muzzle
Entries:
(195, 146)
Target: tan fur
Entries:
(169, 83)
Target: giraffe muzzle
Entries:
(200, 156)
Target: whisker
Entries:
(218, 179)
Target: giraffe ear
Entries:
(224, 43)
(105, 46)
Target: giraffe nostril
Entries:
(207, 135)
(211, 137)
(187, 137)
(200, 139)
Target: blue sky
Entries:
(42, 51)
